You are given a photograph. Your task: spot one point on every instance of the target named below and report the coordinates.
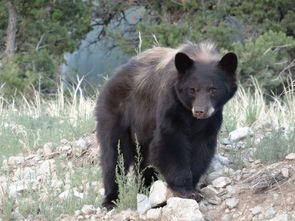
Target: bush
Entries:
(267, 59)
(24, 73)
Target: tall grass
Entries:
(257, 109)
(28, 123)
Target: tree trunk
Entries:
(11, 29)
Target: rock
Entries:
(143, 203)
(209, 191)
(154, 214)
(47, 167)
(214, 175)
(158, 193)
(17, 189)
(256, 210)
(227, 217)
(285, 172)
(269, 213)
(15, 160)
(226, 141)
(48, 148)
(179, 209)
(64, 148)
(78, 212)
(240, 133)
(221, 182)
(281, 217)
(81, 143)
(290, 156)
(101, 191)
(88, 209)
(232, 202)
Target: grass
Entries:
(44, 200)
(263, 113)
(276, 145)
(26, 125)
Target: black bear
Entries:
(172, 100)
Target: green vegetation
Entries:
(34, 35)
(129, 185)
(261, 33)
(276, 145)
(29, 124)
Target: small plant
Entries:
(129, 186)
(276, 145)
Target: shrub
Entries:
(267, 59)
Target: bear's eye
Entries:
(212, 90)
(192, 91)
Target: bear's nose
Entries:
(199, 112)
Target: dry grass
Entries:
(255, 108)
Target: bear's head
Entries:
(204, 87)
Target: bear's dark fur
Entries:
(172, 100)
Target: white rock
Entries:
(78, 213)
(178, 209)
(47, 167)
(15, 160)
(290, 156)
(88, 209)
(64, 195)
(269, 213)
(143, 203)
(281, 217)
(101, 191)
(232, 202)
(16, 189)
(64, 148)
(285, 172)
(81, 143)
(158, 193)
(154, 214)
(48, 148)
(209, 191)
(221, 182)
(240, 133)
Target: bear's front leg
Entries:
(170, 153)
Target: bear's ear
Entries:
(182, 62)
(229, 63)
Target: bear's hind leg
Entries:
(112, 139)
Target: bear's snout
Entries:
(202, 112)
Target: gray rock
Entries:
(158, 193)
(154, 214)
(221, 182)
(232, 202)
(240, 133)
(143, 203)
(179, 209)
